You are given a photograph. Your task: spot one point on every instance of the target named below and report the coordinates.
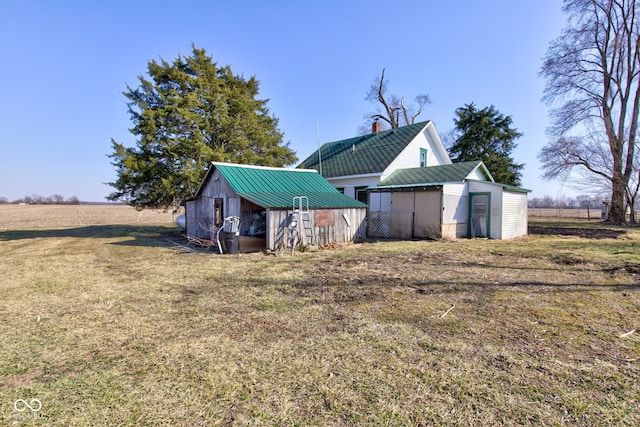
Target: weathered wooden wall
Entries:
(345, 225)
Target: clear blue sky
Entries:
(66, 63)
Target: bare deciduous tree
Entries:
(592, 74)
(590, 158)
(391, 109)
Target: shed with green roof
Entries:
(267, 199)
(450, 201)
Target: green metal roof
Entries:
(276, 187)
(364, 154)
(433, 175)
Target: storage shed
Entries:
(270, 203)
(446, 201)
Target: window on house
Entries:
(340, 189)
(361, 195)
(423, 157)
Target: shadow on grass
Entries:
(137, 235)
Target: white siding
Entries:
(455, 201)
(410, 156)
(349, 184)
(496, 205)
(455, 189)
(508, 210)
(514, 215)
(440, 154)
(477, 175)
(496, 213)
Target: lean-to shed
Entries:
(263, 198)
(449, 201)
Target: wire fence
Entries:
(592, 214)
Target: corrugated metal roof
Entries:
(245, 178)
(440, 175)
(364, 154)
(433, 175)
(316, 200)
(276, 187)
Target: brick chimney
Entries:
(375, 127)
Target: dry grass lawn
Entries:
(114, 325)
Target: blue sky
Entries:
(66, 63)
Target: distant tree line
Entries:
(36, 199)
(577, 202)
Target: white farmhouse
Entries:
(414, 190)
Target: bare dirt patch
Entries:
(585, 233)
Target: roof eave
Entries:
(366, 175)
(504, 186)
(431, 128)
(421, 184)
(205, 179)
(482, 166)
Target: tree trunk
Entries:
(617, 212)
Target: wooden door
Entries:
(427, 219)
(401, 217)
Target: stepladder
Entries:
(302, 215)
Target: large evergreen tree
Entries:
(187, 114)
(486, 135)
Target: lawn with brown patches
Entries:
(114, 325)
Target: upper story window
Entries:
(423, 157)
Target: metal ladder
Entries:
(303, 215)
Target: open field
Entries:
(25, 216)
(115, 325)
(593, 214)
